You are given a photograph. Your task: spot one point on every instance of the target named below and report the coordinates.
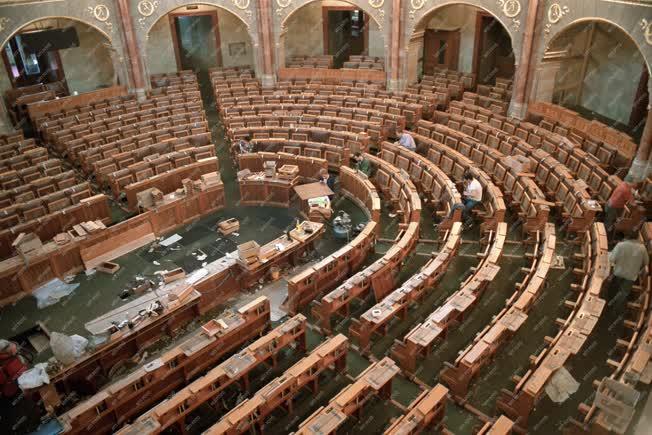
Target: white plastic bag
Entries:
(67, 349)
(34, 377)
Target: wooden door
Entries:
(441, 49)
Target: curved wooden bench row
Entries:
(173, 89)
(166, 182)
(501, 426)
(66, 214)
(71, 144)
(598, 159)
(17, 148)
(372, 128)
(554, 178)
(520, 190)
(574, 331)
(495, 92)
(355, 141)
(631, 365)
(250, 414)
(48, 203)
(455, 164)
(443, 90)
(467, 78)
(13, 179)
(90, 114)
(376, 380)
(29, 158)
(182, 126)
(506, 324)
(389, 121)
(493, 104)
(364, 65)
(377, 318)
(119, 401)
(158, 154)
(380, 276)
(433, 183)
(426, 103)
(309, 167)
(421, 339)
(314, 61)
(173, 78)
(425, 413)
(327, 273)
(11, 138)
(144, 144)
(37, 188)
(231, 71)
(173, 411)
(223, 84)
(50, 133)
(411, 112)
(593, 136)
(337, 152)
(66, 111)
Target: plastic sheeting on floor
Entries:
(50, 293)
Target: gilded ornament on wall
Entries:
(102, 14)
(646, 26)
(511, 8)
(555, 13)
(241, 4)
(417, 4)
(376, 3)
(283, 3)
(3, 23)
(147, 7)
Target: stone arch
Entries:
(509, 13)
(146, 13)
(101, 17)
(379, 10)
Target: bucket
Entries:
(274, 273)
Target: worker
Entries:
(362, 163)
(472, 196)
(18, 412)
(406, 140)
(621, 196)
(244, 145)
(627, 259)
(327, 179)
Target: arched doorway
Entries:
(58, 49)
(463, 38)
(332, 34)
(595, 68)
(198, 37)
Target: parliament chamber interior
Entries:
(325, 216)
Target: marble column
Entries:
(518, 105)
(138, 83)
(395, 46)
(266, 40)
(641, 168)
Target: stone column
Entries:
(138, 83)
(414, 51)
(640, 168)
(518, 105)
(266, 41)
(395, 46)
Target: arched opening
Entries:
(58, 54)
(197, 37)
(596, 69)
(463, 38)
(332, 34)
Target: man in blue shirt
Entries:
(406, 140)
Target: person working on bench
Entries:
(406, 140)
(472, 196)
(362, 164)
(628, 258)
(620, 197)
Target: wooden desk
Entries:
(257, 189)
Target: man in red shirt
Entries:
(621, 195)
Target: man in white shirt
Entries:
(472, 196)
(406, 140)
(628, 258)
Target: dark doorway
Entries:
(196, 40)
(441, 49)
(345, 33)
(492, 55)
(26, 68)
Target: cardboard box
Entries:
(26, 243)
(249, 251)
(288, 172)
(228, 226)
(174, 275)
